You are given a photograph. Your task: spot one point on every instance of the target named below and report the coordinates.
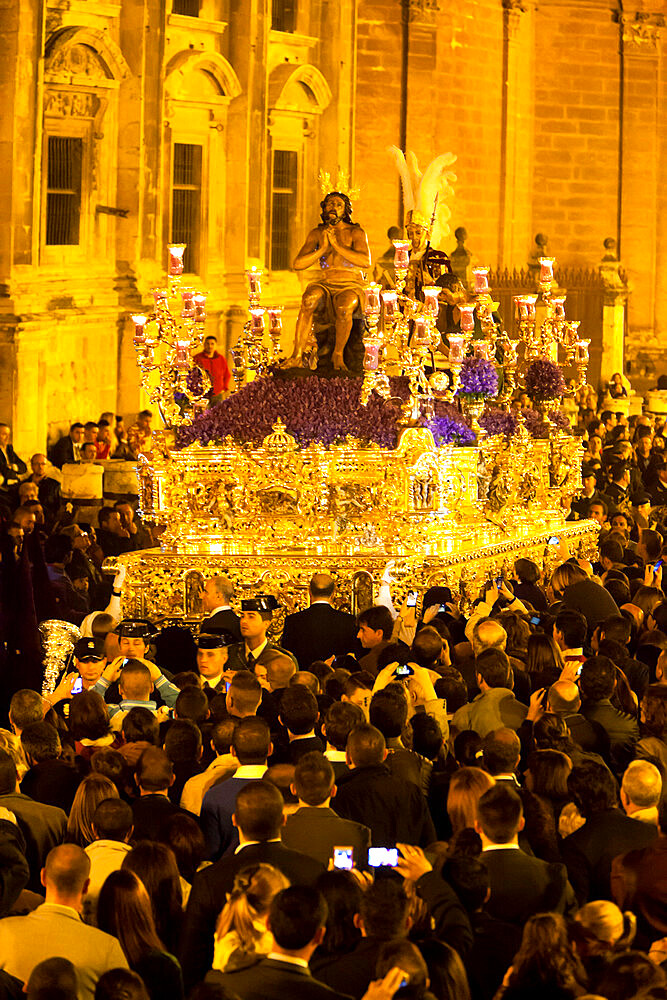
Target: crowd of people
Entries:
(431, 800)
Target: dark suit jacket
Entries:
(63, 451)
(639, 883)
(207, 898)
(151, 812)
(42, 826)
(319, 632)
(522, 886)
(53, 782)
(590, 736)
(271, 979)
(592, 600)
(222, 621)
(316, 831)
(395, 810)
(8, 475)
(237, 659)
(351, 972)
(590, 850)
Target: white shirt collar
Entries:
(222, 607)
(501, 847)
(212, 681)
(256, 653)
(335, 756)
(291, 959)
(253, 843)
(322, 600)
(250, 771)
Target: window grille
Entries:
(283, 15)
(63, 190)
(283, 207)
(189, 8)
(186, 202)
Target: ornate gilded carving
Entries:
(70, 104)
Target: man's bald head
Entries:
(564, 698)
(322, 587)
(279, 670)
(488, 634)
(66, 871)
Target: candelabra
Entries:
(164, 342)
(250, 352)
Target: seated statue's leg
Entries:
(345, 304)
(310, 303)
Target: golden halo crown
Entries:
(341, 184)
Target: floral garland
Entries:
(478, 379)
(544, 379)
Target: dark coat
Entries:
(639, 883)
(11, 467)
(271, 979)
(594, 602)
(318, 633)
(522, 886)
(14, 871)
(53, 782)
(43, 827)
(316, 831)
(395, 810)
(207, 898)
(590, 850)
(62, 452)
(222, 621)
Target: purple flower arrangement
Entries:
(536, 426)
(496, 421)
(544, 379)
(316, 410)
(479, 378)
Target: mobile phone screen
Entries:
(382, 857)
(411, 599)
(343, 857)
(77, 686)
(403, 671)
(554, 541)
(535, 620)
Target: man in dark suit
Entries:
(11, 466)
(259, 818)
(597, 682)
(315, 829)
(297, 920)
(298, 714)
(66, 450)
(607, 832)
(520, 885)
(320, 631)
(639, 882)
(256, 615)
(216, 602)
(394, 809)
(154, 776)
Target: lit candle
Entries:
(176, 251)
(200, 306)
(520, 310)
(546, 270)
(420, 335)
(431, 304)
(481, 278)
(188, 296)
(182, 355)
(467, 318)
(254, 276)
(139, 328)
(581, 352)
(456, 342)
(372, 307)
(160, 296)
(371, 357)
(390, 300)
(401, 254)
(275, 319)
(257, 320)
(558, 307)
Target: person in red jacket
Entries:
(217, 367)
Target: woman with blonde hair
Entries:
(564, 576)
(599, 932)
(241, 930)
(466, 787)
(94, 788)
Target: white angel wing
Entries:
(403, 172)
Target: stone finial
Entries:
(541, 250)
(461, 257)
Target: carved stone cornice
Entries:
(513, 9)
(420, 12)
(641, 32)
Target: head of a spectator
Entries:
(543, 654)
(405, 955)
(321, 588)
(52, 979)
(212, 655)
(112, 820)
(592, 787)
(501, 750)
(499, 815)
(341, 718)
(38, 464)
(493, 670)
(27, 491)
(88, 717)
(598, 511)
(649, 546)
(88, 452)
(25, 708)
(611, 553)
(659, 616)
(366, 747)
(192, 704)
(427, 648)
(26, 519)
(466, 787)
(40, 742)
(251, 742)
(222, 735)
(654, 711)
(124, 910)
(247, 908)
(563, 698)
(605, 923)
(569, 573)
(641, 790)
(375, 626)
(244, 695)
(94, 788)
(218, 593)
(183, 742)
(111, 764)
(308, 680)
(298, 711)
(9, 779)
(342, 893)
(89, 660)
(135, 683)
(122, 984)
(597, 679)
(427, 738)
(468, 748)
(388, 711)
(526, 571)
(488, 634)
(546, 774)
(140, 725)
(57, 550)
(259, 812)
(279, 670)
(297, 920)
(65, 875)
(551, 732)
(385, 910)
(570, 630)
(183, 834)
(357, 690)
(452, 687)
(133, 638)
(155, 864)
(313, 780)
(154, 773)
(631, 975)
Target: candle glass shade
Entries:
(160, 296)
(467, 318)
(558, 307)
(401, 254)
(139, 328)
(420, 334)
(257, 321)
(254, 277)
(480, 280)
(581, 352)
(200, 306)
(275, 319)
(371, 357)
(188, 297)
(176, 251)
(456, 348)
(390, 301)
(372, 307)
(431, 303)
(546, 270)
